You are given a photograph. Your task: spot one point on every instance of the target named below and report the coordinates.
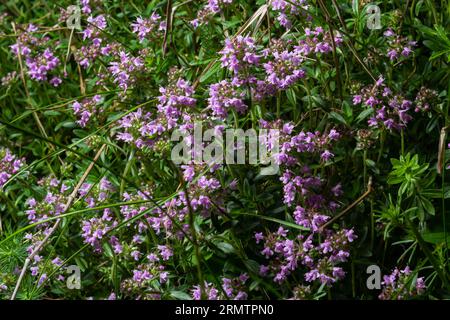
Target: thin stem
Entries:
(402, 138)
(423, 245)
(278, 105)
(69, 202)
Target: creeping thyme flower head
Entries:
(401, 284)
(283, 67)
(145, 129)
(287, 253)
(225, 95)
(212, 8)
(398, 46)
(40, 60)
(239, 54)
(149, 28)
(318, 41)
(9, 165)
(87, 108)
(389, 110)
(289, 11)
(51, 205)
(425, 99)
(125, 70)
(95, 42)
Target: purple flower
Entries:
(326, 155)
(258, 237)
(151, 26)
(225, 95)
(239, 53)
(10, 165)
(165, 252)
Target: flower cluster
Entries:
(390, 110)
(160, 219)
(288, 10)
(209, 10)
(39, 59)
(53, 204)
(275, 68)
(96, 44)
(148, 276)
(149, 28)
(40, 268)
(125, 70)
(425, 98)
(239, 54)
(233, 289)
(398, 46)
(304, 142)
(9, 165)
(87, 108)
(318, 41)
(287, 254)
(95, 229)
(40, 66)
(225, 95)
(401, 284)
(283, 67)
(144, 130)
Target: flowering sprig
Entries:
(225, 95)
(239, 54)
(286, 254)
(125, 70)
(398, 46)
(95, 43)
(87, 108)
(148, 276)
(144, 129)
(53, 204)
(9, 165)
(212, 8)
(289, 10)
(283, 67)
(398, 285)
(390, 110)
(149, 28)
(40, 60)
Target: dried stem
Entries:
(355, 203)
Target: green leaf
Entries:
(52, 113)
(355, 7)
(213, 70)
(338, 117)
(225, 247)
(427, 205)
(285, 223)
(180, 295)
(435, 237)
(364, 114)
